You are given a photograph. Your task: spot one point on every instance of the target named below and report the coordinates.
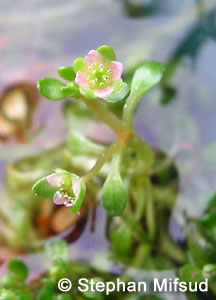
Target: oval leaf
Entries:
(56, 248)
(145, 78)
(67, 73)
(87, 93)
(71, 89)
(18, 269)
(80, 145)
(43, 189)
(107, 52)
(114, 195)
(119, 95)
(51, 88)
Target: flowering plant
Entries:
(96, 81)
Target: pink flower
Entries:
(68, 188)
(97, 74)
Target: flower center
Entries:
(64, 194)
(98, 76)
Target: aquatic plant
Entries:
(96, 81)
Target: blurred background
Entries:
(178, 117)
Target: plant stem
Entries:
(116, 146)
(124, 134)
(128, 111)
(150, 214)
(108, 118)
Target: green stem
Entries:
(140, 203)
(115, 147)
(108, 118)
(150, 214)
(124, 134)
(128, 111)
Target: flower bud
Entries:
(114, 195)
(63, 188)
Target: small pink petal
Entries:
(58, 200)
(104, 93)
(78, 213)
(55, 179)
(81, 80)
(94, 57)
(75, 186)
(117, 69)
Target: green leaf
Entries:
(7, 295)
(71, 89)
(62, 171)
(121, 239)
(7, 281)
(93, 294)
(63, 297)
(67, 73)
(80, 145)
(22, 295)
(59, 269)
(46, 294)
(190, 273)
(107, 52)
(56, 248)
(114, 195)
(145, 155)
(87, 93)
(43, 189)
(18, 269)
(208, 220)
(51, 88)
(119, 95)
(117, 85)
(81, 194)
(209, 271)
(145, 78)
(79, 64)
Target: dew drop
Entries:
(109, 71)
(101, 84)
